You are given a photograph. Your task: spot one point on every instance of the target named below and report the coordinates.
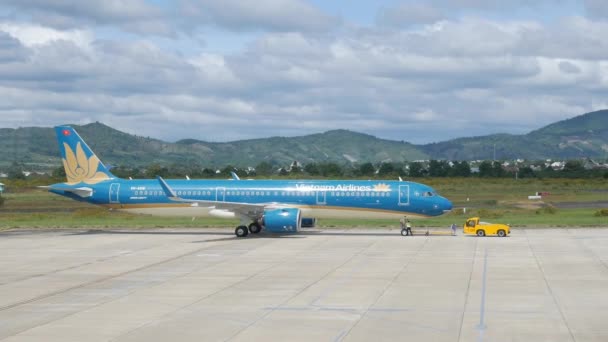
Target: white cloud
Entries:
(132, 15)
(597, 8)
(272, 15)
(409, 14)
(298, 75)
(31, 35)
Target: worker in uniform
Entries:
(406, 227)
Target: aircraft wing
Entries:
(247, 209)
(80, 191)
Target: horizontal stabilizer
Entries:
(80, 191)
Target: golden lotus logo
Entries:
(79, 168)
(382, 187)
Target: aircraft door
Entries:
(321, 197)
(404, 195)
(220, 194)
(114, 189)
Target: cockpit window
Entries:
(428, 194)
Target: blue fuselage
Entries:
(320, 198)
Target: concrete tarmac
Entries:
(331, 285)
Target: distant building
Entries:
(294, 165)
(557, 166)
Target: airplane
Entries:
(276, 206)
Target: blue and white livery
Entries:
(273, 205)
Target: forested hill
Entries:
(582, 136)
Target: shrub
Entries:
(485, 213)
(1, 201)
(458, 212)
(601, 212)
(491, 202)
(547, 210)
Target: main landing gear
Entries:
(242, 230)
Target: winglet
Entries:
(168, 191)
(234, 175)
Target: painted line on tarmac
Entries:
(482, 310)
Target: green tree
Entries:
(226, 171)
(367, 170)
(312, 169)
(526, 172)
(574, 168)
(386, 169)
(58, 173)
(330, 170)
(439, 168)
(460, 169)
(263, 169)
(122, 172)
(16, 171)
(547, 171)
(497, 170)
(208, 173)
(156, 170)
(296, 169)
(416, 169)
(485, 169)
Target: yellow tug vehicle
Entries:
(474, 227)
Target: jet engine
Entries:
(286, 220)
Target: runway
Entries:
(331, 285)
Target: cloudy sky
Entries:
(222, 70)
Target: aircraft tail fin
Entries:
(80, 163)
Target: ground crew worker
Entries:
(406, 228)
(453, 228)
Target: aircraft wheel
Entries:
(502, 233)
(255, 228)
(241, 231)
(403, 232)
(481, 232)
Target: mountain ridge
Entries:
(582, 136)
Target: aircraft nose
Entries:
(446, 205)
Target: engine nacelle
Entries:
(308, 222)
(286, 220)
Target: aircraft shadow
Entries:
(229, 235)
